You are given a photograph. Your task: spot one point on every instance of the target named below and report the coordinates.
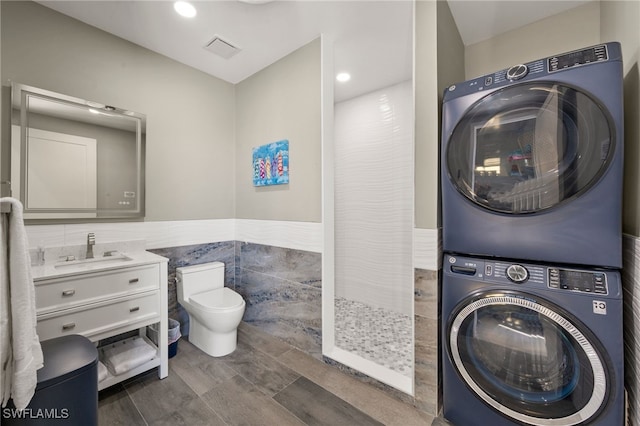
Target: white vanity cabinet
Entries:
(103, 302)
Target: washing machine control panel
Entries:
(568, 279)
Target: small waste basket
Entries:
(173, 336)
(67, 390)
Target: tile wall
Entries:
(427, 314)
(281, 286)
(277, 268)
(283, 290)
(195, 254)
(631, 321)
(373, 198)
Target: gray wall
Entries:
(439, 61)
(426, 115)
(574, 29)
(4, 148)
(190, 115)
(281, 102)
(619, 22)
(427, 65)
(451, 53)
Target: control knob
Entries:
(517, 273)
(516, 72)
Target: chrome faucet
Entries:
(91, 241)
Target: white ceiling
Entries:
(372, 39)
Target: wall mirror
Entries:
(75, 159)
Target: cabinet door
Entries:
(61, 171)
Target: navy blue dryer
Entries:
(532, 161)
(531, 344)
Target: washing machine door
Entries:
(529, 147)
(528, 360)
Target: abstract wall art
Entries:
(271, 164)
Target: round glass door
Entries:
(527, 361)
(529, 147)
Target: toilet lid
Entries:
(222, 298)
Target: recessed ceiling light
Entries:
(185, 9)
(343, 77)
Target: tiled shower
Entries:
(374, 183)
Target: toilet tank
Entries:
(198, 278)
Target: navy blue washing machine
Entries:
(531, 161)
(531, 344)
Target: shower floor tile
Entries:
(379, 335)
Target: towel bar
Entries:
(5, 207)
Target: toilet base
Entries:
(212, 343)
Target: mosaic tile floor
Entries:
(381, 336)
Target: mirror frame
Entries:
(20, 94)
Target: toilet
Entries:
(215, 311)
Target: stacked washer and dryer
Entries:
(531, 165)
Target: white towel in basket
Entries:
(126, 355)
(102, 372)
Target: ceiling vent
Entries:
(221, 47)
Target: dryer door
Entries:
(529, 147)
(528, 360)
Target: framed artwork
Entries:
(271, 164)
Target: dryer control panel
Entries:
(525, 274)
(578, 57)
(537, 69)
(568, 279)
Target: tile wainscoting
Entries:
(426, 364)
(195, 254)
(277, 268)
(282, 287)
(297, 235)
(283, 290)
(631, 318)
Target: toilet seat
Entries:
(217, 300)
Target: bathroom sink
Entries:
(98, 262)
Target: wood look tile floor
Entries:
(264, 382)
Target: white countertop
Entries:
(61, 269)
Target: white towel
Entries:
(103, 373)
(20, 351)
(126, 355)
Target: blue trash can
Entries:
(67, 390)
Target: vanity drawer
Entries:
(63, 293)
(91, 320)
